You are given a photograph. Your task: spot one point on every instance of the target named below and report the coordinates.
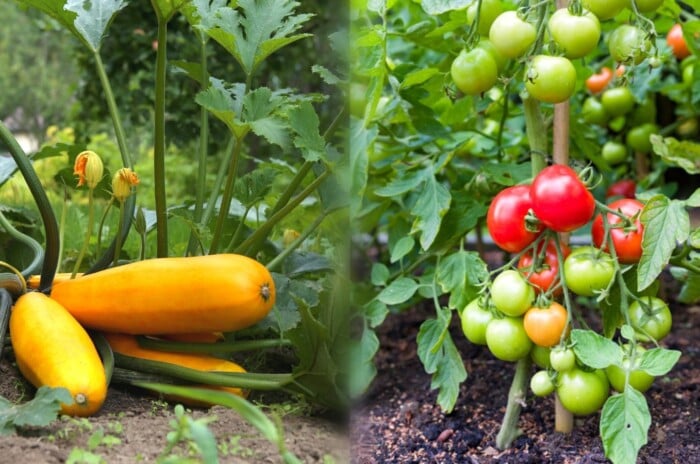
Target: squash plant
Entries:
(281, 171)
(430, 154)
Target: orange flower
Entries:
(122, 183)
(89, 169)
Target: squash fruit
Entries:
(127, 345)
(214, 293)
(53, 349)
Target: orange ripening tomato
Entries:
(598, 82)
(676, 41)
(545, 326)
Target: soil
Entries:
(135, 425)
(399, 421)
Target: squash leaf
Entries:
(40, 411)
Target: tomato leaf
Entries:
(624, 424)
(441, 358)
(461, 275)
(690, 292)
(40, 411)
(666, 223)
(361, 139)
(362, 353)
(594, 350)
(684, 154)
(659, 361)
(401, 248)
(399, 291)
(432, 204)
(436, 7)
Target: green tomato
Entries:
(614, 152)
(490, 9)
(646, 6)
(562, 359)
(618, 101)
(577, 35)
(593, 112)
(540, 356)
(628, 44)
(474, 71)
(511, 294)
(605, 9)
(511, 35)
(475, 318)
(507, 340)
(645, 112)
(541, 383)
(588, 270)
(688, 74)
(650, 318)
(638, 137)
(500, 60)
(582, 392)
(638, 379)
(551, 79)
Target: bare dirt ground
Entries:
(132, 427)
(400, 422)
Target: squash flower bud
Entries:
(89, 169)
(122, 183)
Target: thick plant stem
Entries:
(516, 396)
(536, 134)
(159, 142)
(86, 243)
(226, 198)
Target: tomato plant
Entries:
(562, 359)
(675, 40)
(651, 318)
(560, 200)
(626, 231)
(541, 383)
(614, 152)
(628, 44)
(617, 101)
(593, 112)
(545, 326)
(506, 219)
(605, 9)
(506, 338)
(588, 270)
(490, 9)
(542, 273)
(625, 188)
(582, 392)
(638, 378)
(638, 138)
(596, 83)
(540, 356)
(551, 79)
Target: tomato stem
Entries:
(516, 397)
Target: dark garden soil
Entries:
(134, 425)
(399, 421)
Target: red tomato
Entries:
(545, 326)
(625, 188)
(506, 219)
(627, 243)
(545, 275)
(675, 40)
(598, 82)
(560, 200)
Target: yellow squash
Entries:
(128, 345)
(215, 293)
(53, 349)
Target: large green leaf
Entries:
(684, 154)
(624, 424)
(304, 122)
(432, 204)
(257, 29)
(38, 412)
(666, 224)
(594, 350)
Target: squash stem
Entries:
(159, 140)
(35, 247)
(277, 260)
(5, 305)
(100, 227)
(227, 196)
(118, 243)
(88, 234)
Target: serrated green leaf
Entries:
(461, 274)
(93, 17)
(624, 425)
(432, 204)
(693, 200)
(252, 187)
(436, 7)
(441, 358)
(304, 122)
(273, 129)
(403, 183)
(202, 13)
(659, 361)
(327, 75)
(40, 411)
(399, 291)
(256, 29)
(666, 224)
(594, 350)
(690, 292)
(401, 248)
(684, 154)
(225, 103)
(418, 77)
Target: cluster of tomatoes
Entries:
(550, 76)
(519, 315)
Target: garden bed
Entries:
(399, 421)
